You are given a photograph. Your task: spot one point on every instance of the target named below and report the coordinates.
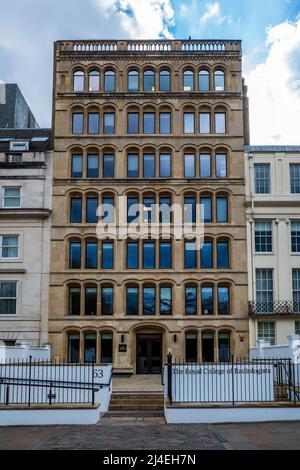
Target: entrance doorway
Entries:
(148, 354)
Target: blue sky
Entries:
(270, 30)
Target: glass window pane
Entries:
(220, 123)
(207, 300)
(93, 123)
(190, 210)
(204, 80)
(76, 210)
(132, 301)
(149, 80)
(79, 81)
(107, 255)
(262, 178)
(133, 123)
(132, 166)
(106, 348)
(295, 234)
(149, 166)
(221, 165)
(132, 209)
(263, 237)
(207, 255)
(206, 209)
(190, 261)
(75, 255)
(10, 246)
(224, 346)
(165, 204)
(295, 178)
(133, 81)
(208, 346)
(223, 301)
(90, 347)
(77, 126)
(205, 165)
(222, 210)
(149, 123)
(91, 210)
(148, 255)
(189, 123)
(267, 331)
(165, 255)
(8, 298)
(165, 300)
(219, 80)
(109, 81)
(164, 81)
(204, 123)
(149, 301)
(264, 290)
(108, 210)
(189, 166)
(107, 301)
(93, 166)
(165, 123)
(91, 255)
(74, 301)
(109, 123)
(132, 255)
(165, 165)
(188, 80)
(191, 300)
(12, 197)
(191, 347)
(74, 347)
(223, 255)
(77, 166)
(90, 301)
(108, 166)
(94, 81)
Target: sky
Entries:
(269, 29)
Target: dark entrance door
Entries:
(148, 354)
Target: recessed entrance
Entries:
(148, 354)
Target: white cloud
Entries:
(274, 88)
(212, 12)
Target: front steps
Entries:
(140, 403)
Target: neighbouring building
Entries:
(154, 123)
(25, 228)
(14, 110)
(273, 225)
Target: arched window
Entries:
(219, 80)
(78, 81)
(164, 80)
(132, 300)
(73, 347)
(107, 300)
(90, 347)
(188, 80)
(224, 340)
(109, 81)
(208, 346)
(191, 346)
(149, 80)
(190, 294)
(133, 81)
(94, 80)
(106, 347)
(74, 300)
(204, 80)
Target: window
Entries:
(204, 123)
(11, 197)
(107, 301)
(165, 165)
(90, 303)
(219, 80)
(77, 123)
(222, 210)
(297, 328)
(264, 290)
(190, 300)
(74, 301)
(8, 298)
(132, 301)
(165, 123)
(206, 209)
(109, 123)
(148, 255)
(220, 123)
(188, 80)
(190, 210)
(75, 255)
(165, 300)
(165, 255)
(74, 347)
(132, 255)
(205, 165)
(133, 81)
(107, 255)
(91, 255)
(149, 301)
(91, 210)
(93, 166)
(207, 300)
(223, 301)
(295, 178)
(77, 166)
(221, 165)
(267, 331)
(263, 237)
(106, 348)
(108, 166)
(132, 165)
(109, 81)
(149, 123)
(132, 209)
(94, 80)
(149, 210)
(190, 261)
(76, 210)
(262, 179)
(295, 232)
(149, 80)
(208, 346)
(93, 123)
(133, 123)
(189, 123)
(165, 204)
(206, 255)
(204, 80)
(9, 246)
(223, 255)
(90, 347)
(296, 290)
(224, 346)
(191, 347)
(164, 80)
(149, 166)
(78, 81)
(189, 165)
(108, 210)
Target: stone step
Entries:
(135, 407)
(134, 414)
(136, 399)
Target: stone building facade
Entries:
(26, 161)
(273, 226)
(154, 122)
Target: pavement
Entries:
(153, 434)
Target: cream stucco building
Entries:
(25, 209)
(273, 227)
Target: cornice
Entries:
(170, 56)
(141, 96)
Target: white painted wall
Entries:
(48, 417)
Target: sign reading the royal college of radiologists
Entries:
(222, 383)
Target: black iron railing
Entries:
(239, 381)
(278, 307)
